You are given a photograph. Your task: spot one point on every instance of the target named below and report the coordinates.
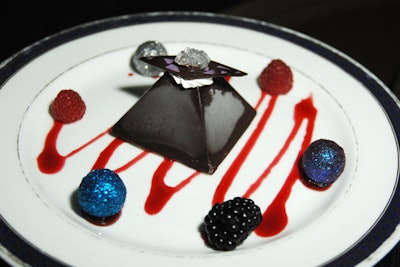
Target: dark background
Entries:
(366, 30)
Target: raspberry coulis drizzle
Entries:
(275, 219)
(50, 161)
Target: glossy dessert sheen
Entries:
(51, 161)
(197, 127)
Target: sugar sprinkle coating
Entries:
(101, 193)
(323, 162)
(147, 49)
(192, 57)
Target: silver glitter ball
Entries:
(147, 49)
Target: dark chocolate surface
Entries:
(214, 69)
(363, 29)
(197, 127)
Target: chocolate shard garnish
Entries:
(214, 69)
(197, 127)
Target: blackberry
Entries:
(228, 224)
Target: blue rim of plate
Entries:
(384, 227)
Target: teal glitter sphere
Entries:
(101, 193)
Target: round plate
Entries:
(353, 221)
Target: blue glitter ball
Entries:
(323, 162)
(101, 193)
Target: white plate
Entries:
(352, 222)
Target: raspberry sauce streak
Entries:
(50, 161)
(107, 153)
(160, 193)
(227, 179)
(275, 219)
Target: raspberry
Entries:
(68, 106)
(276, 78)
(228, 224)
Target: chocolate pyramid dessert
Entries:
(196, 126)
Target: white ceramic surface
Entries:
(322, 225)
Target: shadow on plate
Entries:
(135, 90)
